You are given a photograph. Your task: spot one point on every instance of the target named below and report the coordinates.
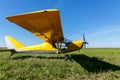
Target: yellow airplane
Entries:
(46, 25)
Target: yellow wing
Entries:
(45, 24)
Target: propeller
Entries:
(84, 41)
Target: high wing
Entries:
(45, 24)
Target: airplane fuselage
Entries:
(47, 47)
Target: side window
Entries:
(59, 45)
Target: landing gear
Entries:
(12, 52)
(67, 57)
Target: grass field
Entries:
(86, 64)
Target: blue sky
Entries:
(99, 20)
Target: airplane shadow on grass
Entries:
(40, 57)
(93, 64)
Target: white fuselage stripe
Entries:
(37, 51)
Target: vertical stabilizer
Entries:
(12, 43)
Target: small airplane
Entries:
(45, 24)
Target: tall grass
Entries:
(86, 64)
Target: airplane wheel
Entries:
(67, 57)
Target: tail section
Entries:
(12, 43)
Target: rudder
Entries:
(12, 43)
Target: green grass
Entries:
(86, 64)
